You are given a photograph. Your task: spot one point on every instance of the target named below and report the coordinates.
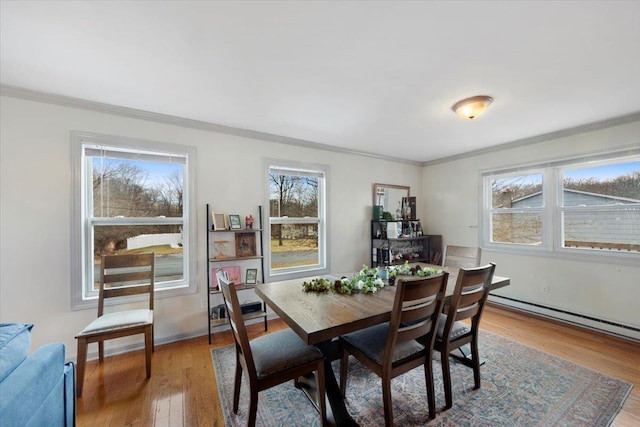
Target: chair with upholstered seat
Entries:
(268, 360)
(461, 256)
(467, 302)
(390, 349)
(120, 276)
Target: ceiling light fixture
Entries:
(471, 108)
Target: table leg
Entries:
(337, 414)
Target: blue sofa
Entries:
(35, 390)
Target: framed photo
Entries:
(245, 244)
(252, 276)
(219, 221)
(222, 249)
(233, 273)
(234, 222)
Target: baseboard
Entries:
(588, 322)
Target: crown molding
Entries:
(590, 127)
(67, 101)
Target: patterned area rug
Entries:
(521, 386)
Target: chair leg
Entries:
(322, 404)
(236, 385)
(153, 339)
(476, 363)
(388, 403)
(428, 377)
(253, 407)
(101, 351)
(446, 378)
(344, 367)
(148, 348)
(81, 361)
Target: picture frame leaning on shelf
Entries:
(234, 222)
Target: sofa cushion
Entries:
(15, 342)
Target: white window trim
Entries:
(323, 223)
(552, 219)
(78, 139)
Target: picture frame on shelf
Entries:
(233, 273)
(251, 276)
(223, 249)
(245, 245)
(219, 220)
(234, 222)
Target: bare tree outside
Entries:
(293, 208)
(122, 188)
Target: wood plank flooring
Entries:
(182, 390)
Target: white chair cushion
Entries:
(118, 320)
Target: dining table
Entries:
(319, 318)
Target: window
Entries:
(297, 221)
(583, 206)
(517, 209)
(600, 207)
(130, 197)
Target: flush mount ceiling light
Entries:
(471, 108)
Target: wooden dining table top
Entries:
(319, 317)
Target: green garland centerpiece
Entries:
(365, 281)
(407, 270)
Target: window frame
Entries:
(82, 224)
(553, 224)
(322, 221)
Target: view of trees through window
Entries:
(137, 206)
(598, 208)
(601, 207)
(294, 218)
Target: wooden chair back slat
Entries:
(462, 256)
(416, 309)
(126, 275)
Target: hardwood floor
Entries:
(182, 390)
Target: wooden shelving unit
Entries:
(258, 261)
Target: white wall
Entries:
(35, 210)
(600, 290)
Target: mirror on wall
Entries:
(389, 196)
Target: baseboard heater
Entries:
(605, 326)
(220, 312)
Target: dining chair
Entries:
(120, 276)
(390, 349)
(461, 256)
(467, 302)
(270, 359)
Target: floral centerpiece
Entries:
(407, 270)
(365, 281)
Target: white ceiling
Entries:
(376, 77)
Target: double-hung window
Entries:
(585, 207)
(132, 196)
(297, 220)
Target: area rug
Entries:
(521, 386)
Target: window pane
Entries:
(293, 196)
(617, 230)
(136, 188)
(602, 185)
(517, 191)
(164, 240)
(516, 227)
(294, 245)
